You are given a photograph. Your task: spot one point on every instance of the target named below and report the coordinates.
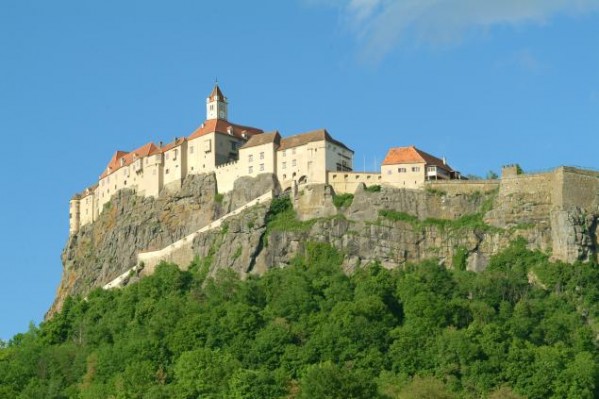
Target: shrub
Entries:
(343, 200)
(374, 188)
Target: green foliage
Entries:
(218, 198)
(472, 221)
(282, 217)
(435, 191)
(237, 253)
(491, 175)
(460, 258)
(312, 331)
(375, 188)
(343, 200)
(398, 216)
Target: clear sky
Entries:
(483, 83)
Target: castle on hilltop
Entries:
(231, 151)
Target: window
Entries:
(284, 165)
(191, 150)
(293, 151)
(251, 170)
(175, 154)
(166, 156)
(284, 153)
(262, 155)
(293, 163)
(401, 170)
(251, 158)
(233, 146)
(415, 168)
(261, 167)
(389, 171)
(166, 172)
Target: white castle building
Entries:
(231, 151)
(218, 146)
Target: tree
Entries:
(329, 381)
(425, 388)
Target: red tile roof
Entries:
(309, 137)
(223, 126)
(411, 154)
(122, 158)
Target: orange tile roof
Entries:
(411, 154)
(309, 137)
(264, 138)
(122, 158)
(222, 126)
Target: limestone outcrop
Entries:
(556, 213)
(101, 251)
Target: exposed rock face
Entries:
(418, 225)
(108, 247)
(574, 235)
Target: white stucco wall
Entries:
(201, 154)
(409, 175)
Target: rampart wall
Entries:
(540, 184)
(580, 188)
(226, 174)
(347, 182)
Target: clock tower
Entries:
(216, 104)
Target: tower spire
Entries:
(216, 104)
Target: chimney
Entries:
(444, 161)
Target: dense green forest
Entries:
(524, 328)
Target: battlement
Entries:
(227, 165)
(511, 170)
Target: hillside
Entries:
(555, 212)
(523, 328)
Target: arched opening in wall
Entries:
(287, 191)
(303, 179)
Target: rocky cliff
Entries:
(391, 226)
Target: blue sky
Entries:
(481, 83)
